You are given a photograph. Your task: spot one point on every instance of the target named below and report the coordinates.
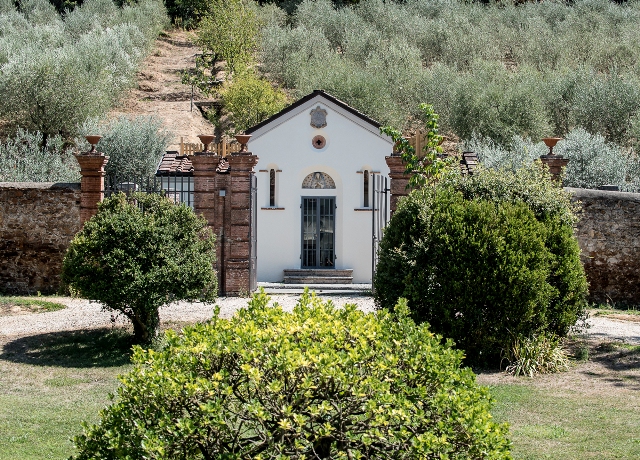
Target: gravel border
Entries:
(84, 314)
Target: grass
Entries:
(31, 304)
(50, 383)
(608, 310)
(557, 423)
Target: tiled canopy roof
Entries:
(174, 164)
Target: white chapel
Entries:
(317, 163)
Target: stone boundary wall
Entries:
(37, 222)
(609, 235)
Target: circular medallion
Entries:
(319, 142)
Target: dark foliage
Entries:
(139, 253)
(484, 261)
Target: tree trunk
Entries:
(145, 326)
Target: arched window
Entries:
(272, 187)
(366, 189)
(318, 180)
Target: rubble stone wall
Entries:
(37, 222)
(609, 235)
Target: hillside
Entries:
(160, 93)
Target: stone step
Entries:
(318, 276)
(320, 289)
(321, 272)
(318, 280)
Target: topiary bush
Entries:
(319, 382)
(485, 260)
(138, 253)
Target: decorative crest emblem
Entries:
(318, 117)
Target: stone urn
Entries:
(206, 139)
(93, 140)
(243, 139)
(551, 143)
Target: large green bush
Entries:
(485, 260)
(319, 382)
(138, 253)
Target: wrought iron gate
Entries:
(379, 218)
(253, 235)
(178, 189)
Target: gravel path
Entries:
(82, 314)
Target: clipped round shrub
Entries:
(319, 382)
(485, 261)
(140, 252)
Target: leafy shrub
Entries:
(540, 354)
(230, 31)
(134, 146)
(592, 160)
(485, 259)
(249, 100)
(319, 382)
(519, 153)
(139, 253)
(58, 71)
(23, 158)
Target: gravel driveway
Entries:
(82, 314)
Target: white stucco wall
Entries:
(285, 144)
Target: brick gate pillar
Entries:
(556, 164)
(209, 190)
(237, 226)
(399, 180)
(92, 165)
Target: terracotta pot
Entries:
(551, 143)
(93, 140)
(243, 139)
(206, 139)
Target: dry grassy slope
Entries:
(159, 91)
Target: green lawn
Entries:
(32, 304)
(556, 423)
(50, 383)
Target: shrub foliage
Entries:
(498, 70)
(139, 253)
(248, 100)
(56, 71)
(319, 382)
(24, 158)
(485, 260)
(134, 146)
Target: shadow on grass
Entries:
(84, 348)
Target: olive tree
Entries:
(138, 253)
